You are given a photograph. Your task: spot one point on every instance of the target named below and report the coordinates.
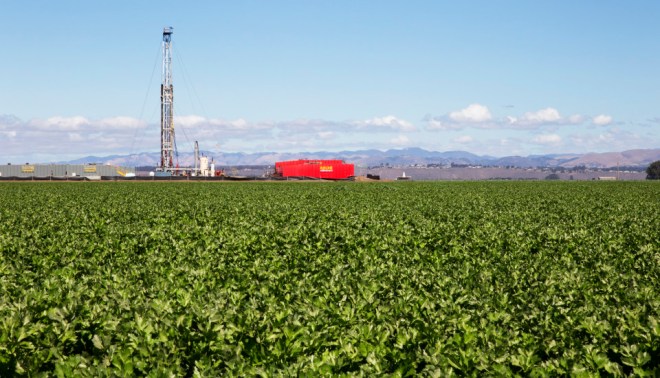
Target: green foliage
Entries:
(653, 171)
(552, 176)
(400, 279)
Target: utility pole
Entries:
(617, 170)
(167, 142)
(196, 171)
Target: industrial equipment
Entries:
(167, 140)
(315, 169)
(168, 150)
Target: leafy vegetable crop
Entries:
(431, 279)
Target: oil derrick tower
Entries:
(167, 142)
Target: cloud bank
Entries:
(480, 117)
(79, 136)
(473, 128)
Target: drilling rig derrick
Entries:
(169, 164)
(167, 141)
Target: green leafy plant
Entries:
(401, 279)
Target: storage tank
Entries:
(204, 166)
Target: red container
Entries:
(320, 169)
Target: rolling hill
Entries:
(403, 157)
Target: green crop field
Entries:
(235, 279)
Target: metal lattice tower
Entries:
(167, 142)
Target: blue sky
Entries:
(489, 77)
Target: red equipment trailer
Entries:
(318, 169)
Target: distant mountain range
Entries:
(400, 157)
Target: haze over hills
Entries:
(407, 156)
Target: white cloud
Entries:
(194, 122)
(189, 120)
(474, 113)
(63, 137)
(538, 118)
(79, 123)
(464, 139)
(437, 123)
(479, 116)
(602, 120)
(378, 124)
(546, 115)
(401, 140)
(388, 122)
(121, 123)
(75, 137)
(613, 140)
(59, 123)
(575, 119)
(543, 117)
(547, 139)
(325, 135)
(242, 124)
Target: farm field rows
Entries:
(432, 279)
